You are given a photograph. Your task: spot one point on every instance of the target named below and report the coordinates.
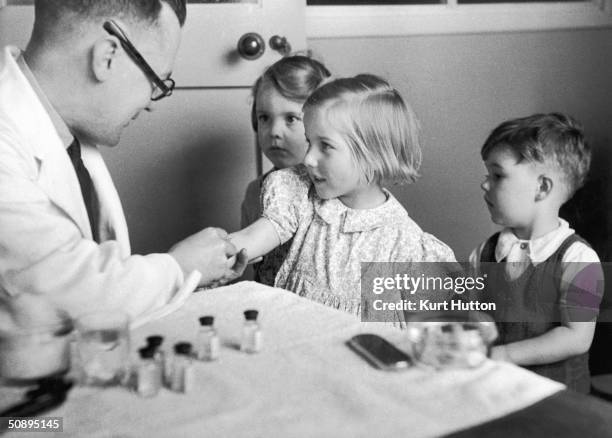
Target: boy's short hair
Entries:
(554, 138)
(294, 77)
(381, 129)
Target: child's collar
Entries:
(538, 249)
(333, 211)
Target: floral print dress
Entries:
(330, 240)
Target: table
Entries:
(306, 382)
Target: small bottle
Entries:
(251, 334)
(148, 379)
(155, 342)
(208, 341)
(182, 375)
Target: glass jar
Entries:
(451, 340)
(182, 374)
(149, 373)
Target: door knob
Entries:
(251, 46)
(280, 44)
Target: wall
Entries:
(461, 87)
(185, 166)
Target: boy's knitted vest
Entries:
(538, 289)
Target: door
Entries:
(186, 165)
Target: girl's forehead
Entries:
(267, 90)
(318, 113)
(325, 110)
(326, 119)
(266, 86)
(268, 93)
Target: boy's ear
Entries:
(545, 186)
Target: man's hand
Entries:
(210, 252)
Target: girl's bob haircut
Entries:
(380, 128)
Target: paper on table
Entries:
(174, 304)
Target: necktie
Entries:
(87, 188)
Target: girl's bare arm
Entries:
(258, 239)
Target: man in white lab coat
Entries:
(78, 84)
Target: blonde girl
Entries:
(361, 135)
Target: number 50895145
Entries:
(26, 424)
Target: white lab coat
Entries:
(45, 238)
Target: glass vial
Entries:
(251, 341)
(155, 342)
(148, 379)
(208, 342)
(182, 375)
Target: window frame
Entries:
(453, 18)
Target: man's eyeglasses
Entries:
(162, 87)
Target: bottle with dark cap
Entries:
(251, 341)
(208, 341)
(182, 375)
(155, 342)
(183, 348)
(148, 379)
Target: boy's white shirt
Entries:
(536, 251)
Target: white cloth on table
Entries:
(306, 382)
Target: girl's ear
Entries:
(104, 57)
(545, 186)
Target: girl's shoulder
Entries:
(285, 196)
(397, 217)
(413, 244)
(434, 250)
(417, 245)
(291, 178)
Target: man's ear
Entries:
(104, 57)
(545, 186)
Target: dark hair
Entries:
(555, 138)
(294, 77)
(48, 12)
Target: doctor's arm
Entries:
(43, 251)
(258, 239)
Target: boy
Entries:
(550, 282)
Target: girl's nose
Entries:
(276, 129)
(309, 159)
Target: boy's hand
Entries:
(500, 354)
